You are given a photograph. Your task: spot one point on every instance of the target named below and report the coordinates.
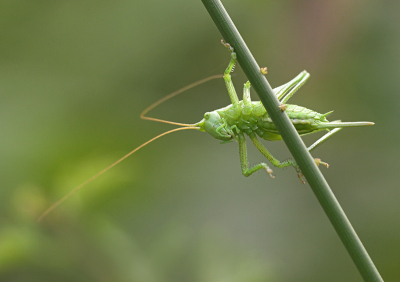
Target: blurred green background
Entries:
(74, 77)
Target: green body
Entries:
(254, 119)
(250, 118)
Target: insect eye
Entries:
(207, 115)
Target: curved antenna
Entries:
(59, 202)
(173, 94)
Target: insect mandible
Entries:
(242, 118)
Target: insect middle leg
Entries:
(278, 163)
(268, 155)
(243, 160)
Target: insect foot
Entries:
(283, 107)
(300, 174)
(227, 45)
(269, 171)
(318, 161)
(264, 70)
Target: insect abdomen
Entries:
(255, 119)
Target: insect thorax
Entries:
(253, 119)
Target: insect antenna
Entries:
(142, 116)
(173, 94)
(59, 202)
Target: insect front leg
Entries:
(227, 75)
(243, 160)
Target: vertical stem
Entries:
(293, 141)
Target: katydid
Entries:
(242, 118)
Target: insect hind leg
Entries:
(315, 145)
(320, 141)
(323, 138)
(286, 91)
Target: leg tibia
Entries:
(284, 92)
(227, 75)
(228, 80)
(323, 138)
(315, 145)
(268, 155)
(243, 160)
(247, 172)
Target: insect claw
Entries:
(264, 70)
(299, 174)
(283, 107)
(269, 171)
(318, 161)
(227, 45)
(301, 178)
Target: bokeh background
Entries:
(74, 77)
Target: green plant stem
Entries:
(293, 141)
